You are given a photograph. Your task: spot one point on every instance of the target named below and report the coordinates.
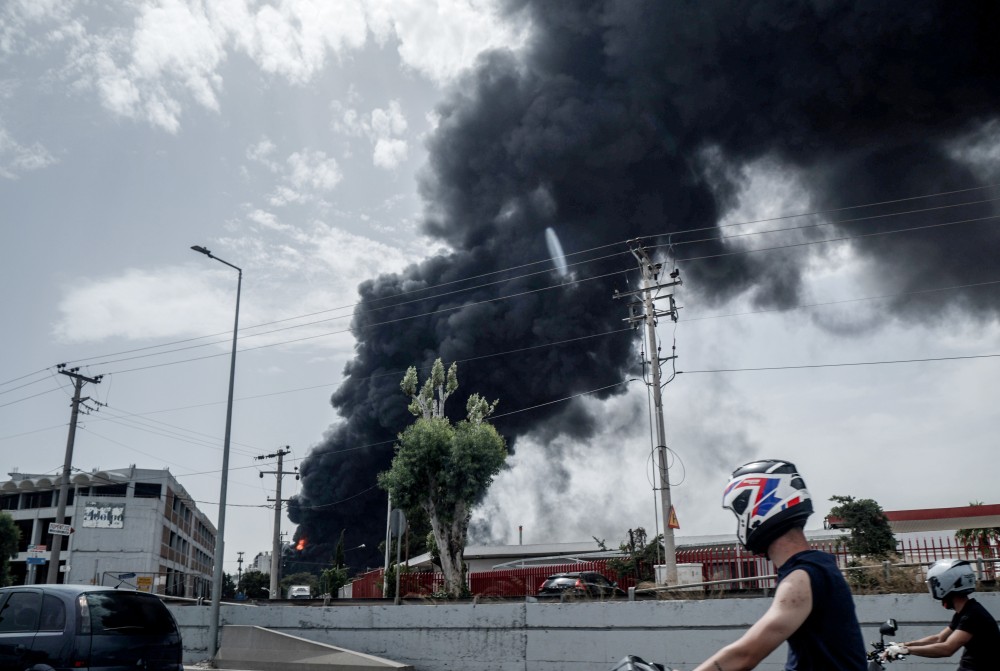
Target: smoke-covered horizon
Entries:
(637, 119)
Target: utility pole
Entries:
(276, 544)
(239, 571)
(78, 382)
(650, 278)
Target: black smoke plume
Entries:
(634, 119)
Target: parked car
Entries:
(579, 584)
(299, 592)
(86, 627)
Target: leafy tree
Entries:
(228, 586)
(301, 578)
(444, 469)
(638, 556)
(982, 540)
(871, 535)
(255, 584)
(332, 579)
(10, 537)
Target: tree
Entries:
(871, 535)
(639, 555)
(444, 469)
(982, 540)
(332, 579)
(10, 537)
(228, 586)
(255, 584)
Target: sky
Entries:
(348, 153)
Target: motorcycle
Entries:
(633, 663)
(875, 662)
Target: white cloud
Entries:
(16, 158)
(312, 169)
(165, 303)
(164, 55)
(389, 153)
(295, 271)
(303, 175)
(381, 126)
(440, 39)
(262, 153)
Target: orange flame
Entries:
(301, 544)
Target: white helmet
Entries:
(949, 577)
(768, 498)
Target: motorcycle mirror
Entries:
(888, 628)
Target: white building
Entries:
(262, 563)
(125, 521)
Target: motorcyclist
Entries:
(951, 581)
(812, 607)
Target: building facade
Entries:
(131, 524)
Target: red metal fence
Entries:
(732, 562)
(507, 582)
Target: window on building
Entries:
(147, 490)
(34, 500)
(110, 490)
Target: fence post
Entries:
(885, 569)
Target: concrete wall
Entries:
(554, 636)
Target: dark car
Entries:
(84, 627)
(579, 584)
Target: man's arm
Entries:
(933, 638)
(947, 643)
(790, 608)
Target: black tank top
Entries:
(982, 649)
(830, 638)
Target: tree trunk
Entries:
(450, 539)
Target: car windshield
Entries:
(128, 613)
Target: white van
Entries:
(299, 592)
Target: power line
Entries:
(661, 234)
(843, 364)
(21, 400)
(845, 300)
(551, 287)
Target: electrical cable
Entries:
(670, 234)
(842, 364)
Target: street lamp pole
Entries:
(213, 624)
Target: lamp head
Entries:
(201, 250)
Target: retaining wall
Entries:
(524, 636)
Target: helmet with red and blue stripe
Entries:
(768, 497)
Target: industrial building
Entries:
(131, 524)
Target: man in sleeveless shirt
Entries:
(812, 608)
(951, 581)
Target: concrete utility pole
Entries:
(78, 382)
(239, 571)
(650, 278)
(276, 544)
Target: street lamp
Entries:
(213, 624)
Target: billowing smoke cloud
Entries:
(634, 119)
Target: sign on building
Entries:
(60, 529)
(100, 515)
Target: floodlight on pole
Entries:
(213, 625)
